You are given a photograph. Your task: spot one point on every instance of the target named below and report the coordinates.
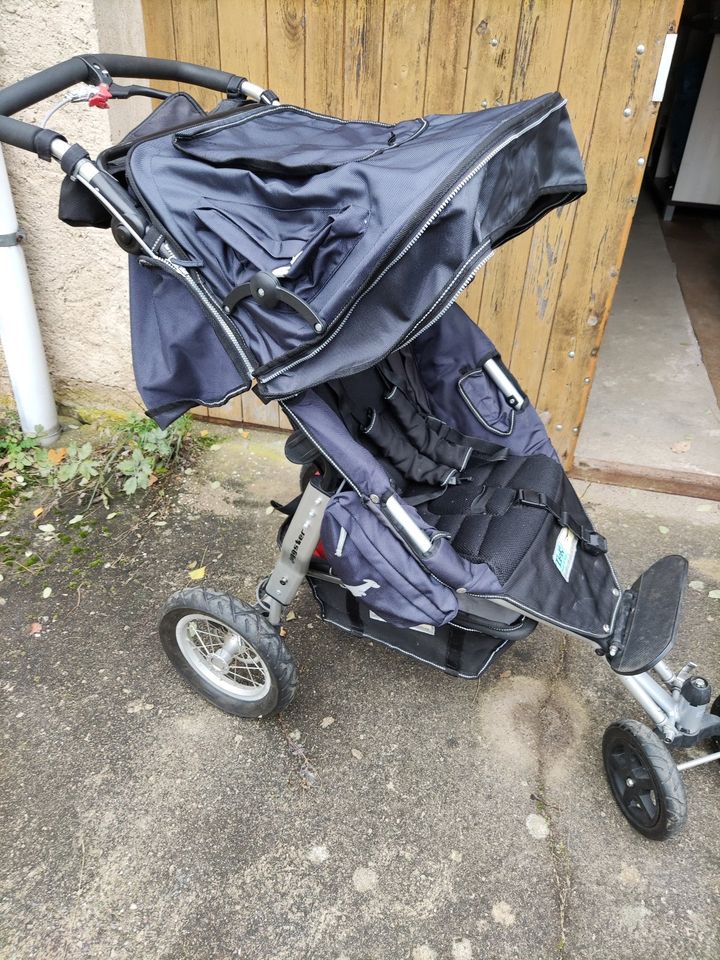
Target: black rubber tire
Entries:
(715, 711)
(652, 762)
(250, 624)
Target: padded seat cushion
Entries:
(500, 541)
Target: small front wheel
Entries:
(715, 711)
(644, 779)
(228, 652)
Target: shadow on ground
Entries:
(449, 819)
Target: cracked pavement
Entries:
(446, 818)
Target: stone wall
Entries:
(79, 277)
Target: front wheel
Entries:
(644, 779)
(228, 652)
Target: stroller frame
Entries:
(662, 701)
(677, 703)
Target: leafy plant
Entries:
(126, 458)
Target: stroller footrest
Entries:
(649, 619)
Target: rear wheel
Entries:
(644, 780)
(228, 652)
(715, 711)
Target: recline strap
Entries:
(233, 91)
(72, 157)
(455, 644)
(42, 142)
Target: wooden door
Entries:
(545, 297)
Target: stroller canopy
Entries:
(372, 229)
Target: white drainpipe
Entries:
(20, 331)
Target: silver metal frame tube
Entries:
(417, 537)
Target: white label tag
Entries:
(420, 627)
(564, 552)
(341, 542)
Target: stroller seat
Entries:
(491, 504)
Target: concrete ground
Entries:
(652, 402)
(446, 819)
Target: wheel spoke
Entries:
(201, 638)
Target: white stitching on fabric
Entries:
(476, 412)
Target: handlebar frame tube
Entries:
(86, 69)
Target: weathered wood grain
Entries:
(364, 22)
(324, 55)
(404, 61)
(160, 35)
(584, 55)
(242, 29)
(286, 49)
(602, 221)
(196, 40)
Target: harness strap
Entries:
(589, 539)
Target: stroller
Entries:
(318, 261)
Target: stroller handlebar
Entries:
(98, 68)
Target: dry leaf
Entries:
(76, 519)
(152, 479)
(110, 516)
(357, 754)
(56, 455)
(47, 527)
(34, 628)
(714, 594)
(38, 512)
(326, 722)
(197, 574)
(283, 632)
(664, 529)
(290, 615)
(245, 434)
(47, 592)
(192, 565)
(204, 433)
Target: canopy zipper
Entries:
(349, 309)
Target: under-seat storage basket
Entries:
(454, 648)
(375, 566)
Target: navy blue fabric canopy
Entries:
(376, 227)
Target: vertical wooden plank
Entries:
(286, 49)
(585, 53)
(324, 55)
(160, 35)
(196, 40)
(255, 411)
(542, 31)
(603, 221)
(242, 30)
(364, 20)
(450, 24)
(404, 61)
(491, 57)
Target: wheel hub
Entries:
(223, 657)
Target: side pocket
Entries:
(486, 403)
(377, 569)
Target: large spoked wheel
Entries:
(228, 652)
(644, 780)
